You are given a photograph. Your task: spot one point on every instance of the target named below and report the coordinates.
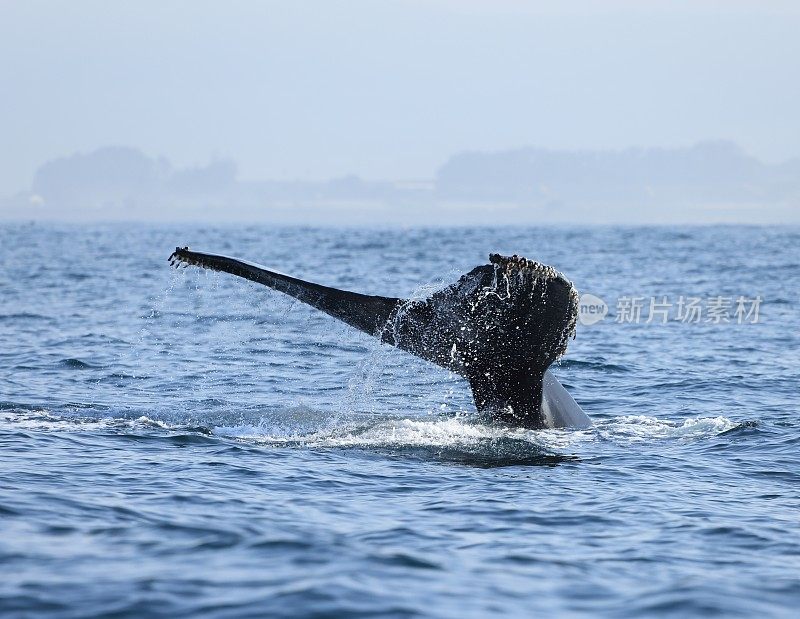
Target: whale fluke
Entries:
(500, 326)
(364, 312)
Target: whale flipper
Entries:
(500, 326)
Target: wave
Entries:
(463, 438)
(76, 364)
(642, 428)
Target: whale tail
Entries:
(500, 326)
(364, 312)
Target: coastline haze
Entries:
(391, 92)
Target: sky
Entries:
(387, 89)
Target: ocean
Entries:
(185, 443)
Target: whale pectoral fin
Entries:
(510, 395)
(364, 312)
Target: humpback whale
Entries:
(500, 326)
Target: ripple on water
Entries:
(182, 443)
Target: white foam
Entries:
(464, 433)
(45, 421)
(153, 422)
(310, 428)
(440, 432)
(638, 428)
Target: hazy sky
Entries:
(389, 89)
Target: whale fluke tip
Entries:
(536, 273)
(180, 257)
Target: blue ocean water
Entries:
(182, 442)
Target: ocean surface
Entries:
(177, 443)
